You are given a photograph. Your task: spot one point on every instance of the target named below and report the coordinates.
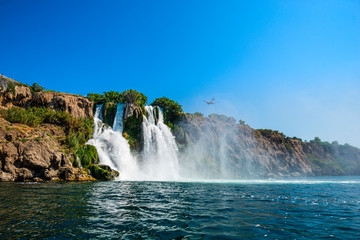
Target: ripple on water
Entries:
(169, 210)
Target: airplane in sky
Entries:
(211, 102)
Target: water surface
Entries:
(276, 209)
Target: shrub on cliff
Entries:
(78, 130)
(10, 88)
(106, 97)
(96, 98)
(316, 140)
(222, 117)
(132, 129)
(128, 96)
(36, 88)
(28, 116)
(87, 155)
(73, 139)
(296, 138)
(133, 96)
(198, 114)
(242, 122)
(269, 133)
(109, 112)
(112, 96)
(172, 110)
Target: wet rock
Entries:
(103, 172)
(131, 109)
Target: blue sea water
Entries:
(313, 208)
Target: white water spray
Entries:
(118, 121)
(113, 149)
(160, 161)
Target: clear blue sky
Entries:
(292, 66)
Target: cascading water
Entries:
(118, 121)
(98, 124)
(160, 161)
(113, 149)
(210, 149)
(159, 158)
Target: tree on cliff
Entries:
(96, 98)
(171, 109)
(133, 96)
(36, 87)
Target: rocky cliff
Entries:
(35, 154)
(234, 150)
(51, 145)
(22, 96)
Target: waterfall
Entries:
(98, 124)
(160, 160)
(118, 121)
(214, 151)
(157, 161)
(113, 149)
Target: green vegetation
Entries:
(100, 173)
(36, 88)
(78, 130)
(276, 137)
(96, 98)
(103, 172)
(296, 138)
(222, 118)
(316, 140)
(172, 110)
(241, 122)
(326, 166)
(11, 87)
(128, 96)
(74, 139)
(87, 155)
(289, 148)
(112, 96)
(268, 133)
(24, 140)
(133, 96)
(132, 130)
(132, 125)
(198, 114)
(109, 112)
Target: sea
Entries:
(301, 208)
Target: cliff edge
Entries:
(43, 135)
(17, 94)
(241, 151)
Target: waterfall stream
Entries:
(118, 121)
(113, 149)
(158, 160)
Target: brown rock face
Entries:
(77, 106)
(28, 154)
(30, 160)
(130, 109)
(37, 154)
(237, 151)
